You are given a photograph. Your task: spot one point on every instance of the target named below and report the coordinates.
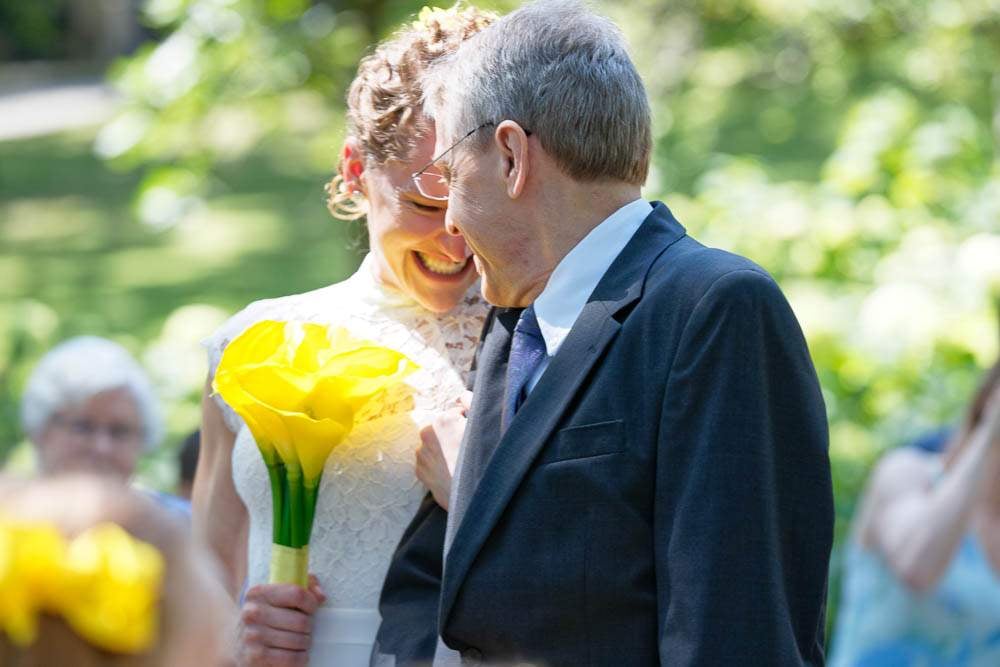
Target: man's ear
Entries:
(512, 141)
(352, 166)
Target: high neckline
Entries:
(365, 281)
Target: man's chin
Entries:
(495, 297)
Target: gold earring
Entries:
(344, 203)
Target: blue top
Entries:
(175, 505)
(882, 623)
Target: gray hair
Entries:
(561, 72)
(79, 369)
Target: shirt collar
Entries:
(577, 275)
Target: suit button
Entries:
(472, 656)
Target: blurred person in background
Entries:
(187, 463)
(416, 293)
(94, 574)
(922, 570)
(88, 407)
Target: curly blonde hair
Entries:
(384, 100)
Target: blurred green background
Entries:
(848, 146)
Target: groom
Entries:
(644, 478)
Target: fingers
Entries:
(428, 457)
(317, 589)
(429, 437)
(429, 450)
(257, 614)
(287, 596)
(465, 402)
(270, 638)
(277, 622)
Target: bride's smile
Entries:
(413, 251)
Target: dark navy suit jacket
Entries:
(663, 496)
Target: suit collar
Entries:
(579, 272)
(593, 331)
(624, 281)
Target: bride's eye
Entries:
(423, 208)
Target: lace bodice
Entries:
(369, 491)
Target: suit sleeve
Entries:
(411, 592)
(744, 504)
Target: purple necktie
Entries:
(527, 350)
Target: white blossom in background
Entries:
(175, 359)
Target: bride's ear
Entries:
(512, 140)
(352, 166)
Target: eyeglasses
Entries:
(85, 429)
(430, 182)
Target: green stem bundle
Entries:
(293, 501)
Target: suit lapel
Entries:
(592, 332)
(487, 398)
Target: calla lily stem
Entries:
(296, 505)
(312, 495)
(276, 473)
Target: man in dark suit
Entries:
(644, 477)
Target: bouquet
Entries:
(104, 583)
(298, 387)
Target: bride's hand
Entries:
(276, 624)
(438, 449)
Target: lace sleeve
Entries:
(216, 343)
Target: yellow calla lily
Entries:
(259, 342)
(265, 426)
(315, 344)
(314, 440)
(298, 387)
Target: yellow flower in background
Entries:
(112, 589)
(30, 565)
(104, 583)
(299, 385)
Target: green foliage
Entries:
(233, 76)
(32, 29)
(849, 147)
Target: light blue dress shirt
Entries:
(577, 275)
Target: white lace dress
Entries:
(369, 491)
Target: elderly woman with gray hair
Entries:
(89, 407)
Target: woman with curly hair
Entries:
(414, 293)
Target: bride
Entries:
(414, 292)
